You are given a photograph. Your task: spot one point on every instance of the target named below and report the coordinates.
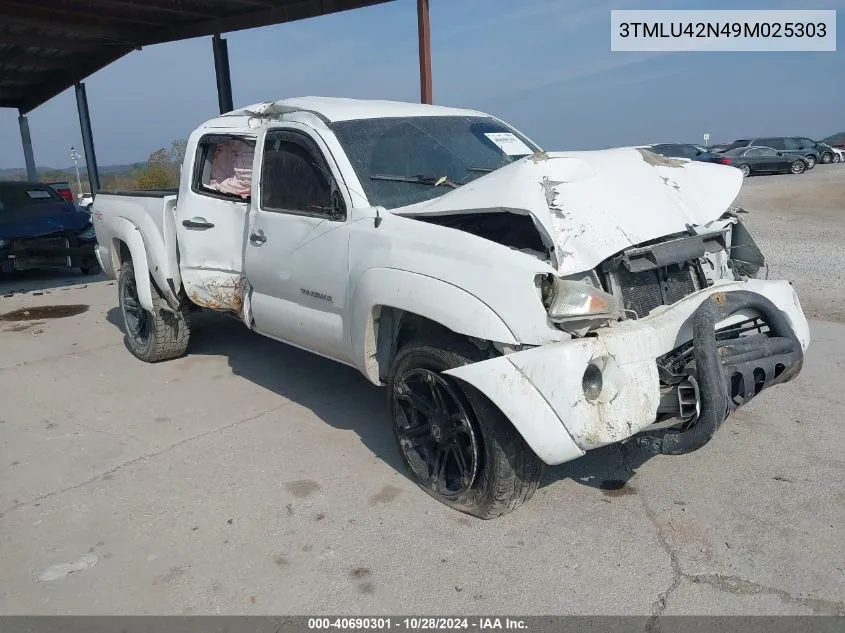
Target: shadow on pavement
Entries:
(337, 394)
(39, 280)
(607, 468)
(344, 399)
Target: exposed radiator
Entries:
(644, 291)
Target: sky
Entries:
(545, 66)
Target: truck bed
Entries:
(140, 193)
(117, 215)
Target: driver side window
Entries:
(296, 179)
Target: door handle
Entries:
(257, 239)
(197, 223)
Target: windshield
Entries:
(405, 160)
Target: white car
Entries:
(838, 155)
(521, 307)
(85, 200)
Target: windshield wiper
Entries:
(484, 169)
(433, 181)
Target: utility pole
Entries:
(74, 156)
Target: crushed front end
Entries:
(694, 336)
(62, 249)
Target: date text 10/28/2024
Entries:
(417, 624)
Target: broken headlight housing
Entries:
(575, 298)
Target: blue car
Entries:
(40, 229)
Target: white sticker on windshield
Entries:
(509, 143)
(38, 194)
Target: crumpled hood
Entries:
(42, 219)
(594, 204)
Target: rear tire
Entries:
(797, 167)
(151, 336)
(811, 161)
(746, 170)
(458, 446)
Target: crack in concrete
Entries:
(147, 456)
(661, 602)
(729, 584)
(113, 433)
(742, 587)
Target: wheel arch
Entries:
(128, 242)
(388, 306)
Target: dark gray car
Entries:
(786, 144)
(825, 151)
(764, 160)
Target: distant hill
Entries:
(836, 139)
(13, 173)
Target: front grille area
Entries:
(643, 291)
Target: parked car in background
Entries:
(41, 229)
(63, 189)
(764, 160)
(85, 200)
(838, 155)
(788, 144)
(718, 147)
(825, 151)
(685, 150)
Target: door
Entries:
(297, 249)
(211, 214)
(771, 159)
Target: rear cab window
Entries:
(223, 167)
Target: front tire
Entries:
(826, 158)
(457, 445)
(151, 336)
(797, 167)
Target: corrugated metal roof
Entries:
(46, 47)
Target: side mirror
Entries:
(337, 210)
(780, 153)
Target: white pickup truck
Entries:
(521, 307)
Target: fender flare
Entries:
(428, 297)
(131, 235)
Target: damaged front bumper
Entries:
(569, 397)
(58, 250)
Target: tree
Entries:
(177, 150)
(160, 171)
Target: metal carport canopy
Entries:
(49, 45)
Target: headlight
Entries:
(3, 243)
(570, 299)
(88, 233)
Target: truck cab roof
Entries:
(332, 109)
